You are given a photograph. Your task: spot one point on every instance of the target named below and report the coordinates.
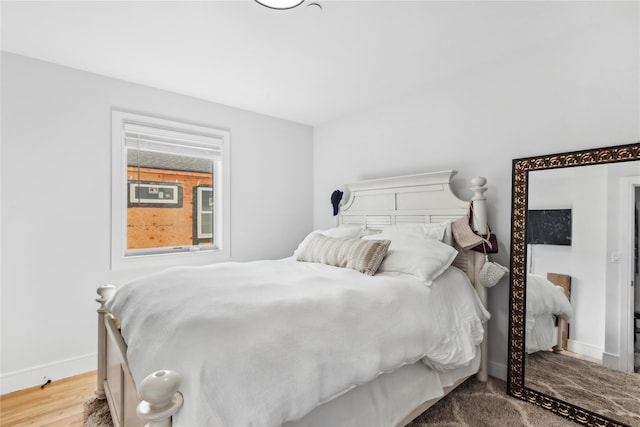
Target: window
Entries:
(170, 190)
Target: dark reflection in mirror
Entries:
(568, 352)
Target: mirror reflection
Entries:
(582, 326)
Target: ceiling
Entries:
(302, 64)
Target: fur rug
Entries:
(589, 385)
(472, 404)
(96, 413)
(476, 404)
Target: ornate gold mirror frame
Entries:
(515, 374)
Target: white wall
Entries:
(56, 186)
(618, 295)
(586, 259)
(550, 189)
(636, 304)
(637, 278)
(576, 92)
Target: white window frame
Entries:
(200, 212)
(191, 255)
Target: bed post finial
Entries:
(160, 398)
(479, 204)
(105, 292)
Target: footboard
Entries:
(119, 387)
(159, 391)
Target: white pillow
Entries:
(440, 231)
(422, 257)
(368, 232)
(344, 231)
(448, 237)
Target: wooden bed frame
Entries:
(421, 198)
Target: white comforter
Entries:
(544, 301)
(265, 342)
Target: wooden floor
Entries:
(57, 404)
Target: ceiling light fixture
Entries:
(280, 4)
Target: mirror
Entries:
(574, 260)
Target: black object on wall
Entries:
(549, 227)
(336, 196)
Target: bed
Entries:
(345, 349)
(548, 312)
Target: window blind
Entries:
(148, 138)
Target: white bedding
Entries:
(265, 342)
(396, 394)
(545, 301)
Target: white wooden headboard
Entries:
(422, 198)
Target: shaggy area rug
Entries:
(476, 404)
(96, 413)
(472, 404)
(608, 392)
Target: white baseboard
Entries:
(590, 350)
(498, 370)
(30, 377)
(610, 360)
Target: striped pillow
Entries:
(364, 256)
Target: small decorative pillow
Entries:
(364, 256)
(424, 258)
